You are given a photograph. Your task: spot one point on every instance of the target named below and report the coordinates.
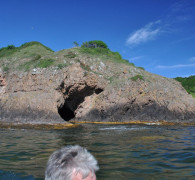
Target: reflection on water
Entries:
(123, 151)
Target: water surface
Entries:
(123, 151)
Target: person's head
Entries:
(71, 163)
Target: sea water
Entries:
(123, 151)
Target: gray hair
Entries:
(62, 163)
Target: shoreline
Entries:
(73, 124)
(54, 126)
(166, 123)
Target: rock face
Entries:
(2, 83)
(72, 93)
(78, 90)
(29, 97)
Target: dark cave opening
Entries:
(67, 110)
(66, 113)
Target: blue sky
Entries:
(158, 35)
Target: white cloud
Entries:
(176, 66)
(147, 33)
(181, 11)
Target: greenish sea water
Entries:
(123, 151)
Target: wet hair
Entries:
(68, 160)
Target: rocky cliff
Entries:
(85, 87)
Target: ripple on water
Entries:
(123, 151)
(8, 175)
(123, 128)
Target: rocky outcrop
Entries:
(165, 100)
(78, 90)
(72, 93)
(2, 82)
(47, 95)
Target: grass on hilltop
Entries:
(36, 62)
(25, 57)
(36, 55)
(11, 49)
(104, 53)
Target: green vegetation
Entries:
(30, 64)
(6, 51)
(104, 54)
(113, 78)
(5, 69)
(44, 63)
(36, 62)
(70, 55)
(141, 68)
(132, 64)
(25, 57)
(61, 66)
(35, 55)
(11, 49)
(100, 49)
(135, 78)
(26, 66)
(76, 44)
(85, 67)
(35, 43)
(94, 44)
(188, 83)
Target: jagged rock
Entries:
(76, 88)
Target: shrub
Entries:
(188, 83)
(132, 64)
(94, 44)
(117, 54)
(76, 44)
(70, 55)
(45, 63)
(61, 66)
(11, 47)
(95, 51)
(7, 51)
(135, 78)
(141, 68)
(5, 69)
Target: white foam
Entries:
(123, 128)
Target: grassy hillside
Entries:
(35, 55)
(24, 57)
(101, 61)
(11, 49)
(188, 83)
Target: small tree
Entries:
(76, 44)
(95, 44)
(11, 47)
